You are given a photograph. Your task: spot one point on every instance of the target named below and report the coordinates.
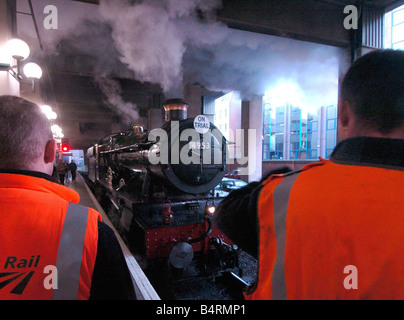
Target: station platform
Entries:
(143, 288)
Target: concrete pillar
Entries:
(256, 123)
(251, 122)
(322, 131)
(234, 125)
(244, 151)
(286, 134)
(8, 85)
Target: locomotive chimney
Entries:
(175, 110)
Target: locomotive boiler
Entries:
(159, 183)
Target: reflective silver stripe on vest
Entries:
(70, 252)
(281, 200)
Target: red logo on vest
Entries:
(21, 278)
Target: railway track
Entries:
(188, 286)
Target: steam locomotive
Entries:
(160, 184)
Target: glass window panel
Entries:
(280, 110)
(331, 112)
(331, 124)
(331, 139)
(279, 146)
(398, 17)
(398, 46)
(294, 145)
(398, 33)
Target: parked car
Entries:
(235, 174)
(227, 185)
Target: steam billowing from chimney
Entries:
(152, 36)
(173, 42)
(112, 90)
(167, 42)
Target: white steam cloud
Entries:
(112, 89)
(152, 36)
(173, 42)
(167, 42)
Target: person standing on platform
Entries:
(335, 229)
(43, 229)
(73, 169)
(62, 170)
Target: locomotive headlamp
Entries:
(210, 208)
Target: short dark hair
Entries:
(374, 87)
(24, 132)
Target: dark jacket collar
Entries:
(369, 151)
(35, 174)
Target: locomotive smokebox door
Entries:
(181, 255)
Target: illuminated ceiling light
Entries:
(57, 131)
(51, 115)
(32, 71)
(18, 49)
(46, 109)
(56, 128)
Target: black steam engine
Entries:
(160, 183)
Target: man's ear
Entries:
(344, 119)
(50, 151)
(343, 113)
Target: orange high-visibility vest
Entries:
(42, 228)
(331, 231)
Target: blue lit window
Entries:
(331, 132)
(394, 32)
(312, 126)
(312, 154)
(332, 124)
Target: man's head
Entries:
(26, 141)
(372, 96)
